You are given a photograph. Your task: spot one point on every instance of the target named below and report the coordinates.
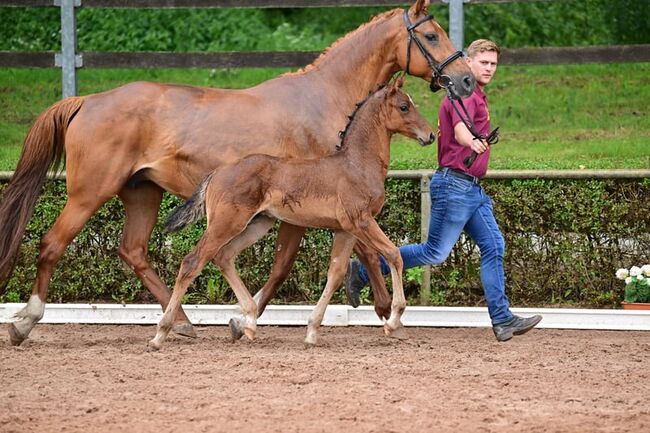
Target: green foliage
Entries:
(555, 23)
(637, 292)
(564, 240)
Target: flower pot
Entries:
(635, 305)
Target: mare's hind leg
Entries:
(286, 250)
(381, 298)
(69, 223)
(141, 204)
(341, 250)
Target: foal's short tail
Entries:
(43, 149)
(190, 211)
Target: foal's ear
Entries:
(397, 84)
(420, 6)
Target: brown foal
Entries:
(141, 139)
(342, 192)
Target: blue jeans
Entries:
(457, 205)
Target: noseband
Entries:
(438, 79)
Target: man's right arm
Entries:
(465, 138)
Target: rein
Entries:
(490, 139)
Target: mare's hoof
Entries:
(15, 337)
(236, 331)
(311, 339)
(399, 333)
(185, 329)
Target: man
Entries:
(459, 203)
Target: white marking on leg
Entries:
(25, 319)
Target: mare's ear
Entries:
(420, 6)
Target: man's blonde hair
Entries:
(482, 45)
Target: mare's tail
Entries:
(43, 149)
(190, 211)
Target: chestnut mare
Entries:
(342, 192)
(141, 139)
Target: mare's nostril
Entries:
(467, 83)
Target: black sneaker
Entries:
(354, 283)
(515, 326)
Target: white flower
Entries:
(640, 277)
(622, 274)
(635, 270)
(646, 270)
(628, 280)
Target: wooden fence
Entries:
(69, 60)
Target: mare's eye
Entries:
(404, 108)
(431, 37)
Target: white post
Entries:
(68, 60)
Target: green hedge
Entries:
(564, 241)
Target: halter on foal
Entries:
(341, 192)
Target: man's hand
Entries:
(478, 146)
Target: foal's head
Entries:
(400, 115)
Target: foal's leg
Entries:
(286, 250)
(341, 249)
(381, 298)
(224, 224)
(75, 214)
(141, 205)
(369, 232)
(226, 256)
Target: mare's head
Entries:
(400, 115)
(426, 51)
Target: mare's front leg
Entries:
(340, 257)
(141, 205)
(380, 295)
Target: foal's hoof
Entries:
(15, 337)
(185, 329)
(153, 347)
(236, 330)
(249, 333)
(398, 333)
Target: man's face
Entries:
(483, 66)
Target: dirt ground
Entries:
(98, 378)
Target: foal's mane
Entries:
(339, 41)
(344, 131)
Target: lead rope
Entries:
(490, 139)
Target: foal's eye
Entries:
(431, 37)
(404, 108)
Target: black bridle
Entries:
(438, 79)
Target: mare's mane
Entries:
(351, 117)
(364, 27)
